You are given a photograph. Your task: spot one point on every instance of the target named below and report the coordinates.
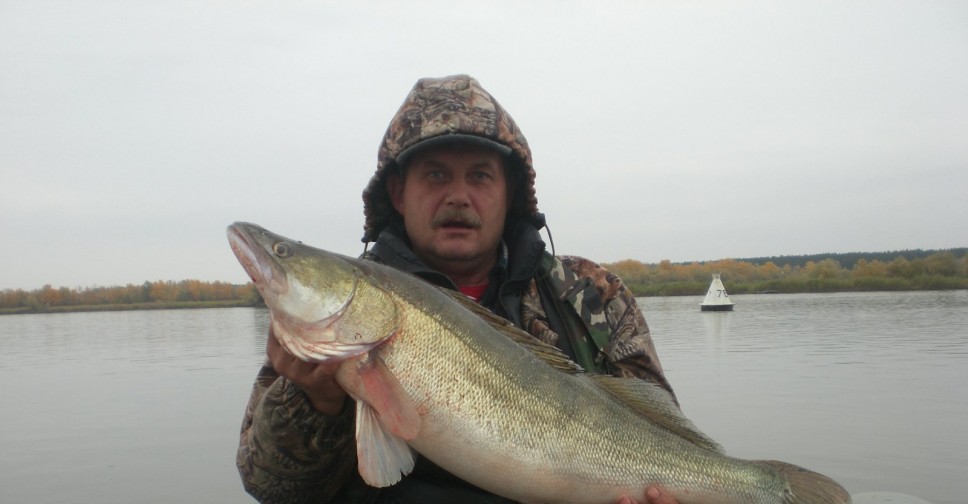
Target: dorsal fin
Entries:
(548, 353)
(657, 405)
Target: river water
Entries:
(869, 388)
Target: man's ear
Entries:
(394, 185)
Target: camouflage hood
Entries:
(449, 109)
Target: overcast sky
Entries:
(133, 133)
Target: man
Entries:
(453, 202)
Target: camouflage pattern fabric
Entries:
(614, 326)
(289, 453)
(436, 108)
(590, 297)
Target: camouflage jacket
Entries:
(288, 453)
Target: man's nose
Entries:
(458, 193)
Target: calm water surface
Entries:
(145, 406)
(121, 407)
(869, 388)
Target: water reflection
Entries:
(260, 325)
(717, 328)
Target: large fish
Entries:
(433, 372)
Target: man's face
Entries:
(453, 200)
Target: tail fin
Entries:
(808, 487)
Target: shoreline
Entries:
(155, 305)
(197, 305)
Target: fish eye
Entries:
(281, 249)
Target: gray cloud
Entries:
(132, 134)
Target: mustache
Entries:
(456, 217)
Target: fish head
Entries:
(310, 294)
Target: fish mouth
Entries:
(256, 262)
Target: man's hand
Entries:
(653, 495)
(318, 381)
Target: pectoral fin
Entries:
(383, 392)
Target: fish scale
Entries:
(484, 381)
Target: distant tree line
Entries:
(159, 294)
(909, 270)
(906, 270)
(849, 259)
